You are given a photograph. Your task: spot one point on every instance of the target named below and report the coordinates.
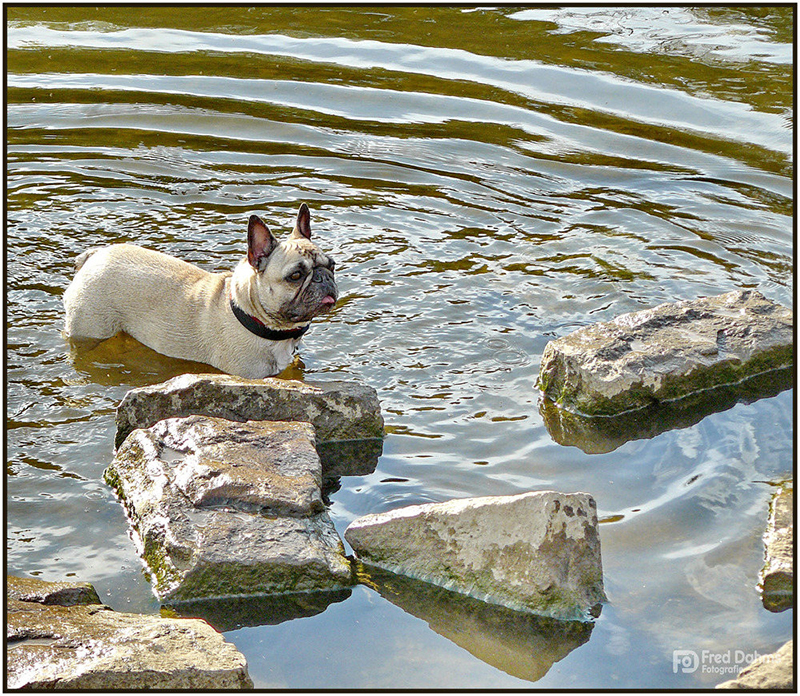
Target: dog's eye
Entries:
(332, 265)
(296, 275)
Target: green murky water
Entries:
(487, 180)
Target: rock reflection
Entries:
(231, 613)
(520, 644)
(600, 435)
(349, 457)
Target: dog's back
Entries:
(83, 257)
(145, 293)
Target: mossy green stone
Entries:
(666, 353)
(223, 508)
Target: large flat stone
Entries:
(338, 410)
(777, 575)
(537, 552)
(89, 646)
(773, 672)
(221, 508)
(666, 353)
(258, 466)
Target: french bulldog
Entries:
(247, 322)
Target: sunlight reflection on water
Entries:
(487, 180)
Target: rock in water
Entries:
(65, 594)
(337, 410)
(221, 508)
(777, 576)
(89, 646)
(666, 353)
(537, 552)
(769, 672)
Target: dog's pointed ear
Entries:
(303, 226)
(260, 243)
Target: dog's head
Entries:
(284, 284)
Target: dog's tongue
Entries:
(328, 300)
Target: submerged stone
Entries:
(666, 353)
(777, 575)
(221, 508)
(89, 646)
(536, 552)
(338, 410)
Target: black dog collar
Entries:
(258, 328)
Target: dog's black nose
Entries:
(321, 275)
(325, 286)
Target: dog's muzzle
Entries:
(326, 286)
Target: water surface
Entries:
(487, 180)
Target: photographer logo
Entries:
(685, 660)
